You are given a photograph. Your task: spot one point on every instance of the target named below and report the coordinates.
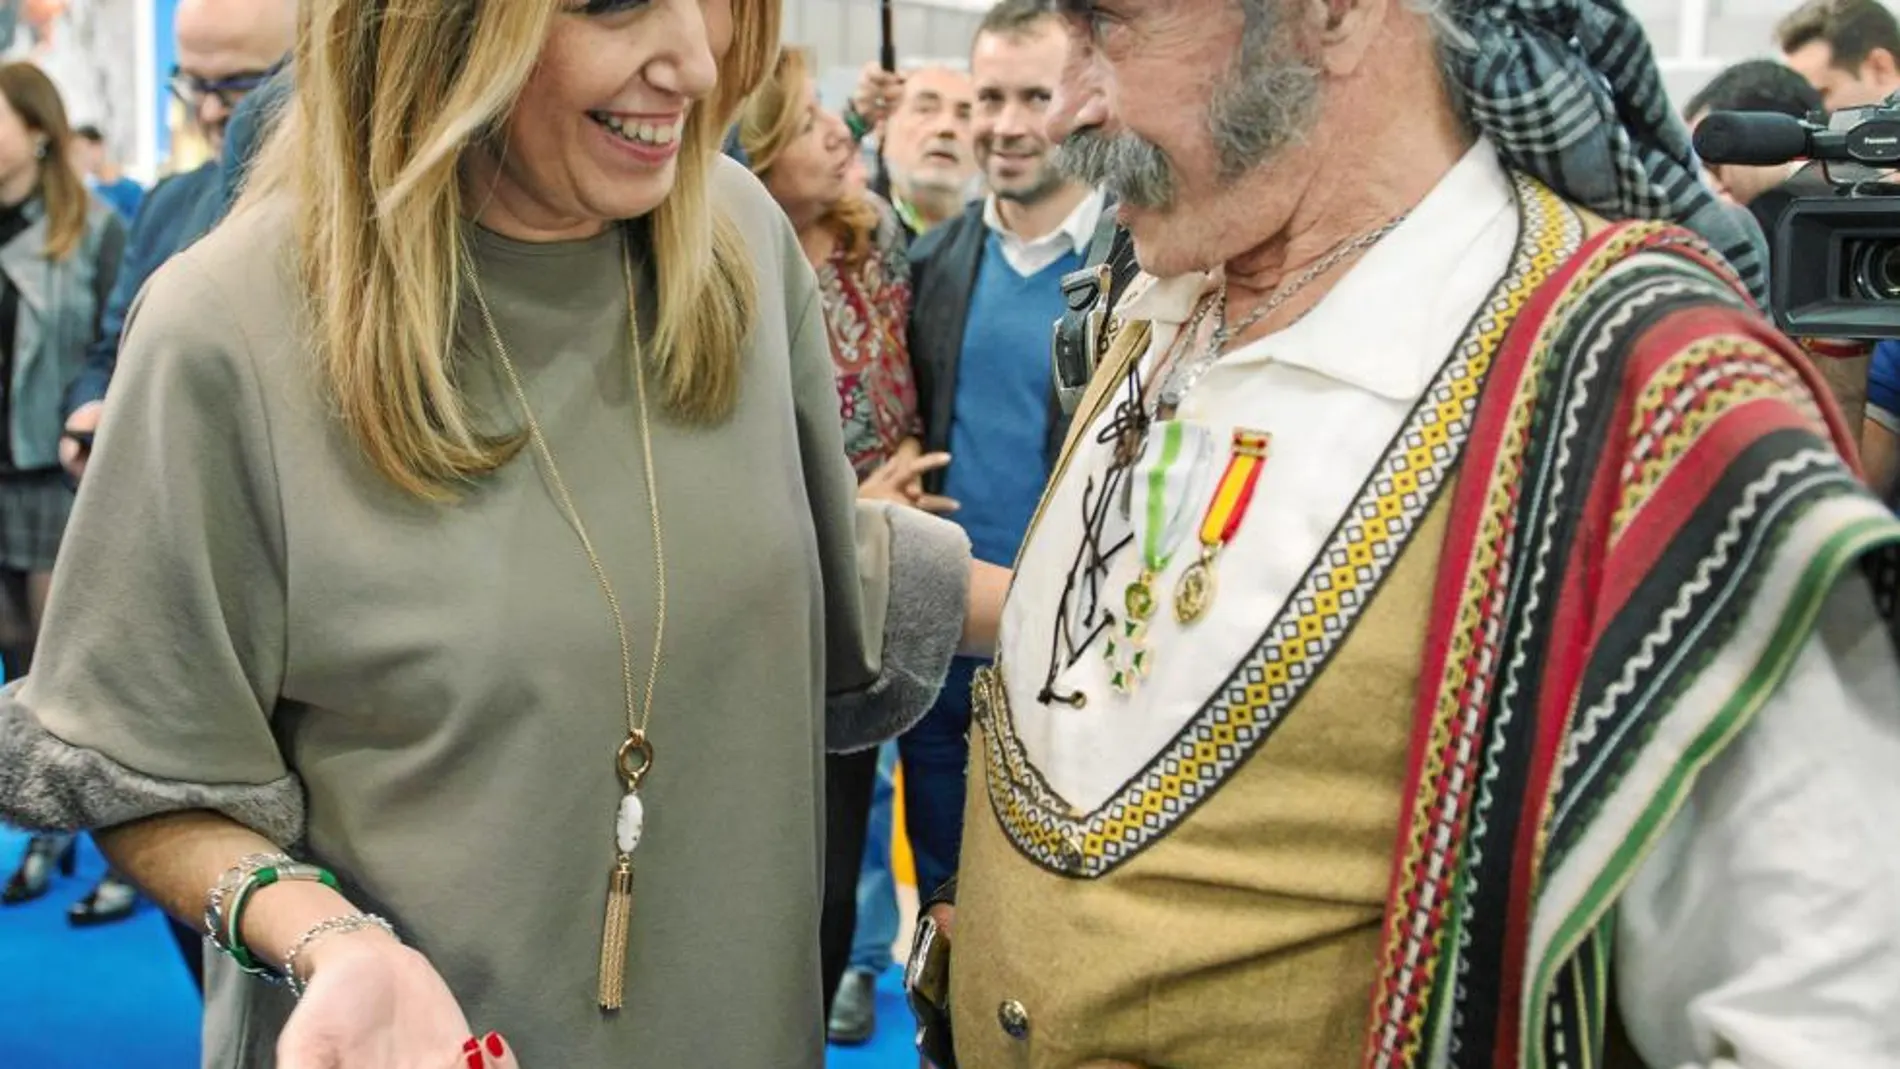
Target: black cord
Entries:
(1126, 430)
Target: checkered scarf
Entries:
(1569, 92)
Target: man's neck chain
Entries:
(1184, 374)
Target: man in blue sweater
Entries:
(987, 288)
(986, 292)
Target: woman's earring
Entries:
(39, 150)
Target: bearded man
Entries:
(1452, 624)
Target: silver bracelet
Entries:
(352, 922)
(226, 886)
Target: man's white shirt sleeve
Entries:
(1764, 931)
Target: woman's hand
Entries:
(369, 1001)
(373, 1003)
(901, 479)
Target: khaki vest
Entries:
(1249, 936)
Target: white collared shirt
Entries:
(1332, 390)
(1764, 932)
(1032, 256)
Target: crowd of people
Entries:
(226, 48)
(480, 551)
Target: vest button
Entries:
(1014, 1018)
(1071, 854)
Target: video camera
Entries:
(1835, 257)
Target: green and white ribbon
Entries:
(1167, 480)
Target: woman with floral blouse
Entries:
(805, 156)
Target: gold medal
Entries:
(1177, 452)
(1139, 598)
(1194, 592)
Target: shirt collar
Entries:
(1163, 301)
(1076, 231)
(1338, 339)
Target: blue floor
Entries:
(100, 998)
(117, 997)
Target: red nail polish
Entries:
(472, 1046)
(495, 1047)
(475, 1060)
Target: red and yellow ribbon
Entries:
(1234, 493)
(1246, 458)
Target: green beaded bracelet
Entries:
(857, 124)
(257, 881)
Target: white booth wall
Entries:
(111, 56)
(1693, 39)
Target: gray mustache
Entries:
(1130, 168)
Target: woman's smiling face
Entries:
(596, 134)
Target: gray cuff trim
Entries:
(47, 784)
(1886, 419)
(923, 625)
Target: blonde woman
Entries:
(470, 548)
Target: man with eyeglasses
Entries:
(212, 101)
(226, 49)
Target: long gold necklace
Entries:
(635, 758)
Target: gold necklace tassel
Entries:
(635, 758)
(613, 938)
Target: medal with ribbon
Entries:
(1246, 458)
(1168, 475)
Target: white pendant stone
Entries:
(630, 823)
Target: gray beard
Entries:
(1128, 167)
(1268, 99)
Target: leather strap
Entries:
(1103, 242)
(1129, 346)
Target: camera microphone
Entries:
(1755, 138)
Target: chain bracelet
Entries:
(349, 922)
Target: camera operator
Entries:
(1849, 53)
(1759, 85)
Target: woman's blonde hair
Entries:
(389, 95)
(772, 119)
(35, 99)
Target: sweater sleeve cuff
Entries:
(925, 605)
(49, 784)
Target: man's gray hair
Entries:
(1271, 98)
(1267, 99)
